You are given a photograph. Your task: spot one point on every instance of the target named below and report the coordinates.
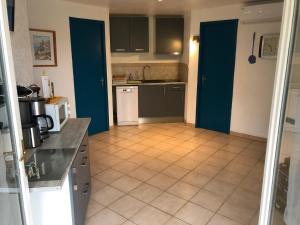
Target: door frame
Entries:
(278, 108)
(13, 107)
(200, 68)
(103, 43)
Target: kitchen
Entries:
(144, 161)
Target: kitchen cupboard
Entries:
(120, 34)
(175, 98)
(169, 35)
(161, 100)
(66, 203)
(80, 183)
(129, 34)
(139, 34)
(152, 101)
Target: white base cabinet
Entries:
(52, 207)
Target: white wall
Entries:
(253, 87)
(21, 45)
(253, 84)
(54, 15)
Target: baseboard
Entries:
(251, 137)
(161, 119)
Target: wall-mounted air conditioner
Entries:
(262, 13)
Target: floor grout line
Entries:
(169, 165)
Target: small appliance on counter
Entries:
(30, 128)
(47, 87)
(58, 109)
(31, 136)
(35, 122)
(44, 121)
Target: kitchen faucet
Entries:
(144, 68)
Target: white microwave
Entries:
(58, 109)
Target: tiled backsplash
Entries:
(157, 71)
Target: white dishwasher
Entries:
(127, 105)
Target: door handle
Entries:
(84, 161)
(86, 191)
(102, 82)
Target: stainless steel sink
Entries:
(153, 81)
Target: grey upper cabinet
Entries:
(169, 35)
(120, 34)
(129, 34)
(140, 34)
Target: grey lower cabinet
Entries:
(152, 101)
(161, 100)
(175, 99)
(80, 183)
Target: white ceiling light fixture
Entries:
(159, 0)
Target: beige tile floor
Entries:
(174, 174)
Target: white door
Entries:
(281, 189)
(14, 192)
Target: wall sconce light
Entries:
(196, 38)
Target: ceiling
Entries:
(155, 7)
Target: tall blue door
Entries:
(89, 68)
(216, 74)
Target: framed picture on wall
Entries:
(268, 48)
(43, 44)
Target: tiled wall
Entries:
(157, 71)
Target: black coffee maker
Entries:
(45, 122)
(30, 129)
(35, 123)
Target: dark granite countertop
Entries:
(70, 137)
(56, 155)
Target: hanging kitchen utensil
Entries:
(252, 58)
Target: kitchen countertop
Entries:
(150, 83)
(59, 150)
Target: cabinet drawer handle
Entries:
(83, 150)
(120, 50)
(86, 191)
(84, 161)
(139, 49)
(75, 187)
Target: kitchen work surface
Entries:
(57, 153)
(174, 174)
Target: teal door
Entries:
(216, 74)
(89, 68)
